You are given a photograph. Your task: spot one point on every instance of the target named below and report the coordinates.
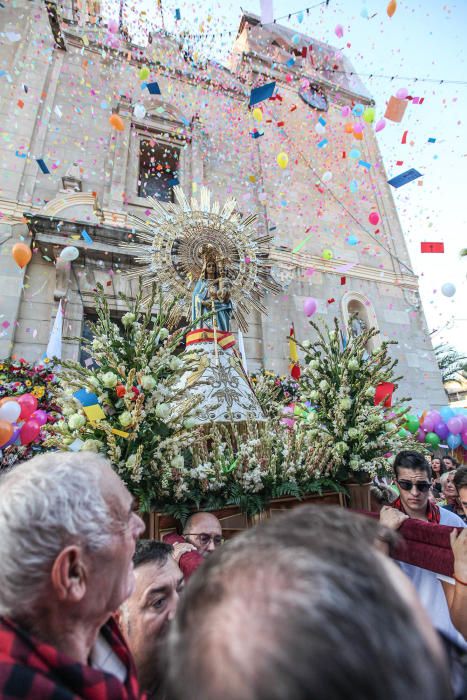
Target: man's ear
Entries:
(69, 574)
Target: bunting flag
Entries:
(294, 366)
(54, 346)
(241, 347)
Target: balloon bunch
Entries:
(447, 426)
(20, 420)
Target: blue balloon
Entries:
(446, 413)
(454, 441)
(352, 240)
(358, 110)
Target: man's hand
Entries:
(181, 548)
(459, 549)
(391, 517)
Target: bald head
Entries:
(204, 531)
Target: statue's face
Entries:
(211, 270)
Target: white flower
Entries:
(341, 447)
(163, 333)
(131, 461)
(128, 319)
(175, 363)
(91, 446)
(353, 433)
(76, 421)
(178, 462)
(68, 410)
(125, 419)
(94, 381)
(306, 344)
(345, 403)
(370, 392)
(314, 364)
(109, 380)
(353, 364)
(189, 423)
(314, 396)
(148, 382)
(323, 385)
(163, 411)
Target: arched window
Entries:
(357, 306)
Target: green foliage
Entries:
(452, 363)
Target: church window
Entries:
(158, 169)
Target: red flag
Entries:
(432, 247)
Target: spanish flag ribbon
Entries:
(225, 340)
(293, 353)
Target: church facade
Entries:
(189, 122)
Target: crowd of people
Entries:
(318, 603)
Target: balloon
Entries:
(448, 289)
(282, 160)
(454, 425)
(116, 122)
(353, 186)
(69, 253)
(391, 8)
(327, 176)
(380, 124)
(421, 435)
(373, 218)
(436, 415)
(144, 73)
(10, 411)
(339, 31)
(14, 437)
(453, 441)
(348, 128)
(296, 38)
(464, 437)
(6, 431)
(352, 240)
(369, 115)
(21, 254)
(41, 416)
(326, 254)
(429, 424)
(357, 128)
(446, 413)
(432, 439)
(358, 110)
(309, 306)
(412, 424)
(257, 114)
(29, 431)
(402, 433)
(354, 153)
(442, 430)
(345, 111)
(112, 26)
(28, 404)
(139, 111)
(402, 93)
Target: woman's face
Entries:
(448, 464)
(449, 489)
(436, 465)
(211, 270)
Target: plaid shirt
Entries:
(34, 670)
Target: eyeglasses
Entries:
(205, 538)
(422, 486)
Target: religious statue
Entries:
(357, 325)
(207, 257)
(212, 294)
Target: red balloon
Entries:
(29, 431)
(373, 218)
(28, 404)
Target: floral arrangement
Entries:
(274, 392)
(19, 377)
(134, 408)
(338, 389)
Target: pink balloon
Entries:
(402, 93)
(429, 424)
(358, 128)
(309, 306)
(29, 431)
(455, 425)
(339, 31)
(464, 437)
(345, 111)
(373, 218)
(41, 416)
(380, 125)
(112, 26)
(28, 404)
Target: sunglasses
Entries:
(422, 486)
(205, 538)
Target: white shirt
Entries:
(430, 590)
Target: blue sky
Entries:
(422, 40)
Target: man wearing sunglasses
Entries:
(442, 598)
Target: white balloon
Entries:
(448, 289)
(327, 176)
(139, 111)
(10, 411)
(319, 128)
(69, 253)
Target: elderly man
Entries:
(68, 535)
(445, 601)
(303, 607)
(148, 612)
(202, 534)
